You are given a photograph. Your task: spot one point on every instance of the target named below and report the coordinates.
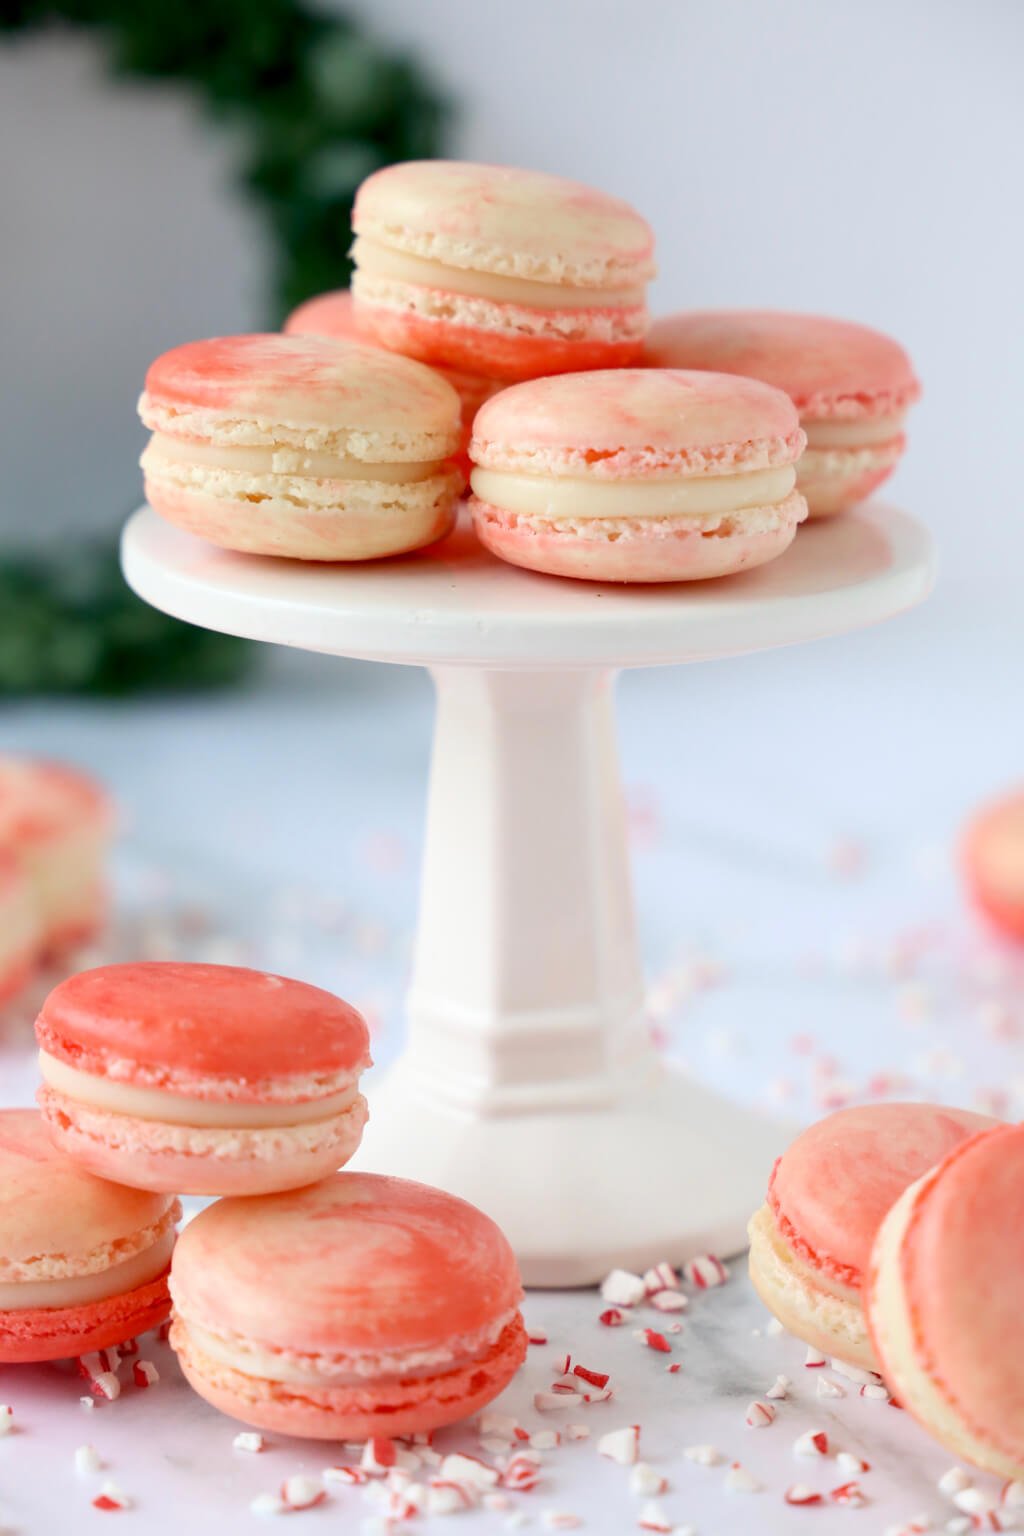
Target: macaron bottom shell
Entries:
(642, 549)
(59, 1333)
(834, 479)
(824, 1318)
(157, 1155)
(394, 1407)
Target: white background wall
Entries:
(862, 157)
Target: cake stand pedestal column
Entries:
(528, 1083)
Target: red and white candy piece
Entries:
(551, 1402)
(974, 1501)
(705, 1271)
(111, 1497)
(876, 1390)
(814, 1359)
(345, 1477)
(545, 1439)
(669, 1301)
(106, 1385)
(651, 1339)
(954, 1481)
(522, 1473)
(661, 1277)
(536, 1336)
(458, 1468)
(448, 1498)
(301, 1492)
(653, 1518)
(779, 1388)
(145, 1373)
(1012, 1495)
(800, 1494)
(88, 1460)
(561, 1365)
(248, 1440)
(849, 1494)
(739, 1480)
(826, 1387)
(647, 1480)
(498, 1426)
(760, 1415)
(612, 1317)
(813, 1443)
(704, 1455)
(597, 1379)
(623, 1289)
(846, 1461)
(621, 1445)
(379, 1456)
(577, 1432)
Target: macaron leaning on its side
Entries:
(357, 1307)
(637, 475)
(56, 823)
(852, 387)
(811, 1241)
(204, 1079)
(301, 446)
(83, 1263)
(944, 1300)
(504, 273)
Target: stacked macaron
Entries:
(893, 1238)
(310, 1301)
(55, 828)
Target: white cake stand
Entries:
(528, 1083)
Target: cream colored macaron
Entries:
(301, 446)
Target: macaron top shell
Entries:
(56, 1220)
(514, 223)
(618, 423)
(962, 1258)
(829, 368)
(371, 404)
(831, 1190)
(207, 1031)
(357, 1264)
(40, 800)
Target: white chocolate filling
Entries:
(376, 260)
(80, 1290)
(279, 461)
(565, 497)
(853, 434)
(103, 1093)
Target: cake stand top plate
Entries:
(455, 604)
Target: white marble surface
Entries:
(792, 823)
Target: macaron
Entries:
(505, 273)
(20, 931)
(208, 1079)
(637, 475)
(83, 1263)
(992, 860)
(56, 823)
(357, 1307)
(301, 446)
(944, 1300)
(852, 386)
(810, 1243)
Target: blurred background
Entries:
(174, 172)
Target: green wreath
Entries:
(317, 106)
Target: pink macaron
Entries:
(637, 475)
(810, 1243)
(503, 273)
(56, 823)
(944, 1300)
(357, 1307)
(992, 859)
(306, 447)
(20, 928)
(83, 1263)
(208, 1079)
(852, 386)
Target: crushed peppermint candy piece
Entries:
(876, 1390)
(854, 1372)
(536, 1336)
(673, 1367)
(760, 1415)
(661, 1277)
(704, 1455)
(559, 1520)
(739, 1480)
(549, 1402)
(87, 1402)
(705, 1271)
(669, 1301)
(779, 1388)
(645, 1479)
(522, 1472)
(379, 1456)
(599, 1395)
(974, 1501)
(145, 1373)
(621, 1445)
(498, 1425)
(1012, 1494)
(813, 1359)
(561, 1365)
(248, 1440)
(846, 1461)
(954, 1481)
(577, 1432)
(650, 1339)
(300, 1492)
(445, 1498)
(813, 1443)
(106, 1385)
(828, 1388)
(653, 1518)
(623, 1289)
(6, 1419)
(800, 1494)
(917, 1525)
(545, 1439)
(612, 1317)
(595, 1378)
(459, 1468)
(87, 1460)
(849, 1494)
(111, 1497)
(346, 1476)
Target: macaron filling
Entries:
(280, 461)
(376, 261)
(266, 1362)
(556, 497)
(210, 1111)
(82, 1290)
(861, 433)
